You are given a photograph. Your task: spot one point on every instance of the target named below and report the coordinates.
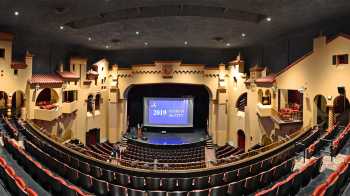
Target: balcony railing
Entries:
(47, 115)
(69, 107)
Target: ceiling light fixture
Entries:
(61, 27)
(89, 38)
(268, 19)
(16, 13)
(137, 33)
(185, 42)
(107, 46)
(243, 35)
(146, 43)
(228, 44)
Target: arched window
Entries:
(266, 99)
(97, 102)
(46, 97)
(241, 102)
(90, 104)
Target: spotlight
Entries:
(137, 33)
(61, 27)
(146, 43)
(228, 44)
(89, 38)
(185, 42)
(243, 35)
(268, 19)
(107, 46)
(16, 13)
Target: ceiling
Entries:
(113, 24)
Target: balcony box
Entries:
(69, 107)
(264, 110)
(47, 115)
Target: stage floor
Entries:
(173, 138)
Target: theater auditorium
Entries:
(174, 98)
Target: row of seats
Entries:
(292, 184)
(319, 143)
(161, 166)
(88, 152)
(11, 129)
(44, 176)
(15, 183)
(226, 151)
(339, 142)
(335, 181)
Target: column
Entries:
(330, 116)
(221, 118)
(9, 106)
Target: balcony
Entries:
(47, 114)
(69, 107)
(264, 110)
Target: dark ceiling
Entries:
(165, 23)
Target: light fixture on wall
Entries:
(37, 87)
(329, 98)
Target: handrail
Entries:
(241, 159)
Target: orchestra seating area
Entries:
(178, 154)
(226, 151)
(90, 177)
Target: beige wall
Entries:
(317, 75)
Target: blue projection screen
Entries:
(167, 112)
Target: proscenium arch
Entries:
(200, 94)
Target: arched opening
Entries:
(17, 103)
(266, 99)
(3, 102)
(242, 102)
(97, 102)
(260, 96)
(341, 105)
(320, 105)
(241, 139)
(47, 98)
(90, 104)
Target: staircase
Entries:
(124, 142)
(209, 143)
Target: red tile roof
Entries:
(267, 79)
(92, 72)
(18, 65)
(68, 75)
(45, 79)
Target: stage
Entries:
(171, 137)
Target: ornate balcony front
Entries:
(264, 110)
(47, 114)
(69, 107)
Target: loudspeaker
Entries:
(341, 90)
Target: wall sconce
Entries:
(37, 87)
(329, 98)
